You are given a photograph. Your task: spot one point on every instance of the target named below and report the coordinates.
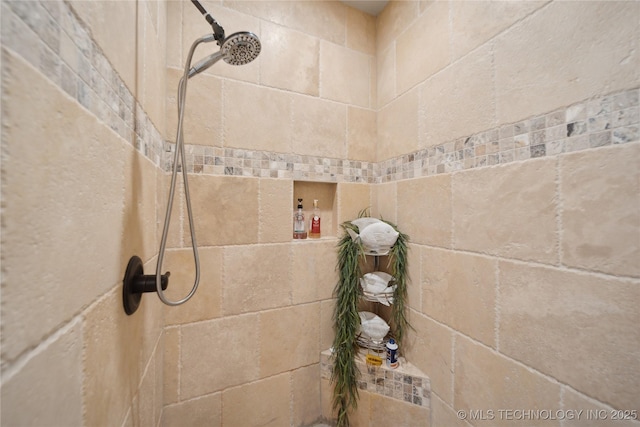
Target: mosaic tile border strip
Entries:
(381, 380)
(41, 30)
(607, 120)
(49, 36)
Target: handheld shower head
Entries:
(240, 48)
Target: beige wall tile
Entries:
(414, 287)
(465, 91)
(326, 323)
(264, 403)
(578, 328)
(174, 11)
(171, 368)
(262, 124)
(385, 201)
(600, 215)
(205, 303)
(338, 62)
(47, 389)
(541, 65)
(57, 220)
(393, 20)
(475, 23)
(466, 282)
(444, 415)
(424, 209)
(352, 198)
(507, 210)
(218, 354)
(593, 414)
(361, 134)
(423, 48)
(323, 19)
(512, 385)
(398, 127)
(202, 122)
(206, 410)
(386, 76)
(319, 127)
(361, 31)
(305, 383)
(313, 270)
(275, 216)
(175, 233)
(255, 278)
(291, 60)
(289, 338)
(430, 348)
(143, 410)
(225, 210)
(270, 10)
(386, 411)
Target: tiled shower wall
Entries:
(509, 151)
(81, 144)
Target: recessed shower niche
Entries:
(325, 194)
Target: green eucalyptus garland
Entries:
(346, 318)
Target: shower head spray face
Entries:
(240, 48)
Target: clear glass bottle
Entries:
(299, 231)
(314, 222)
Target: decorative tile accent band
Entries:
(41, 30)
(412, 387)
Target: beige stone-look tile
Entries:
(256, 278)
(443, 415)
(398, 126)
(386, 76)
(178, 217)
(414, 286)
(459, 289)
(357, 418)
(171, 366)
(202, 121)
(47, 389)
(386, 411)
(218, 354)
(385, 201)
(201, 411)
(319, 127)
(600, 192)
(486, 380)
(143, 410)
(507, 210)
(352, 199)
(270, 10)
(174, 11)
(57, 219)
(225, 210)
(337, 62)
(205, 303)
(393, 20)
(424, 48)
(313, 269)
(429, 348)
(464, 92)
(361, 31)
(195, 26)
(475, 23)
(326, 20)
(578, 328)
(265, 403)
(424, 210)
(290, 61)
(585, 412)
(361, 134)
(326, 323)
(541, 73)
(118, 46)
(275, 215)
(289, 338)
(264, 123)
(305, 383)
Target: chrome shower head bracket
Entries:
(136, 283)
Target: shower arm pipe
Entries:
(180, 153)
(218, 31)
